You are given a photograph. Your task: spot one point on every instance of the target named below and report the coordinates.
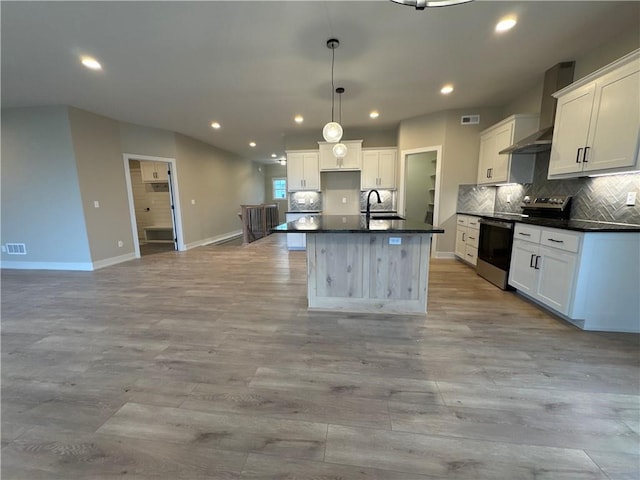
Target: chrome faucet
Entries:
(369, 201)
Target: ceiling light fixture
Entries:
(91, 63)
(273, 155)
(339, 149)
(505, 24)
(332, 131)
(374, 114)
(422, 4)
(215, 125)
(298, 119)
(446, 90)
(252, 144)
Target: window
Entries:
(279, 188)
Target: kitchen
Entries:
(206, 362)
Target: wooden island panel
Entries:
(368, 272)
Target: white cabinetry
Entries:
(589, 279)
(379, 168)
(154, 172)
(296, 241)
(351, 161)
(494, 168)
(467, 236)
(597, 122)
(302, 170)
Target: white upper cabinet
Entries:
(494, 168)
(351, 161)
(597, 122)
(154, 172)
(302, 171)
(379, 168)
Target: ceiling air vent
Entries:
(469, 119)
(16, 249)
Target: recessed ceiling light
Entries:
(215, 125)
(91, 63)
(374, 114)
(298, 119)
(446, 90)
(252, 144)
(273, 155)
(507, 23)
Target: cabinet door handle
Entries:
(578, 155)
(472, 238)
(584, 157)
(524, 234)
(555, 241)
(532, 261)
(464, 237)
(488, 173)
(538, 257)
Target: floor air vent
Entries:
(16, 249)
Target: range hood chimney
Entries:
(556, 78)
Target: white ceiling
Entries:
(253, 65)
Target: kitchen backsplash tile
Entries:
(472, 198)
(600, 198)
(388, 198)
(312, 201)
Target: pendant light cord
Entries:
(333, 57)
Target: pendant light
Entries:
(339, 149)
(332, 131)
(421, 4)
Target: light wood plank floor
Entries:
(206, 364)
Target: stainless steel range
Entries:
(496, 234)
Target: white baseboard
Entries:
(445, 255)
(217, 239)
(107, 262)
(78, 266)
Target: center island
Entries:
(361, 264)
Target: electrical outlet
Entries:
(193, 201)
(395, 241)
(120, 244)
(344, 199)
(96, 204)
(631, 198)
(509, 198)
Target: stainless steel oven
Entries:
(494, 251)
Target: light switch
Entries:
(193, 201)
(96, 204)
(631, 198)
(344, 199)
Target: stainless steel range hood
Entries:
(556, 78)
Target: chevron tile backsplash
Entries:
(600, 198)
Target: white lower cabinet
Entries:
(467, 237)
(590, 279)
(296, 241)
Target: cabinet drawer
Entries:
(471, 255)
(473, 222)
(463, 221)
(527, 233)
(472, 238)
(561, 239)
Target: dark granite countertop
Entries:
(353, 224)
(571, 224)
(308, 212)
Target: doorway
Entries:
(420, 193)
(153, 204)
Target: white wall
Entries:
(41, 200)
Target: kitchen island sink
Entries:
(359, 264)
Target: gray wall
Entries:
(270, 172)
(101, 171)
(41, 200)
(459, 162)
(57, 161)
(219, 182)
